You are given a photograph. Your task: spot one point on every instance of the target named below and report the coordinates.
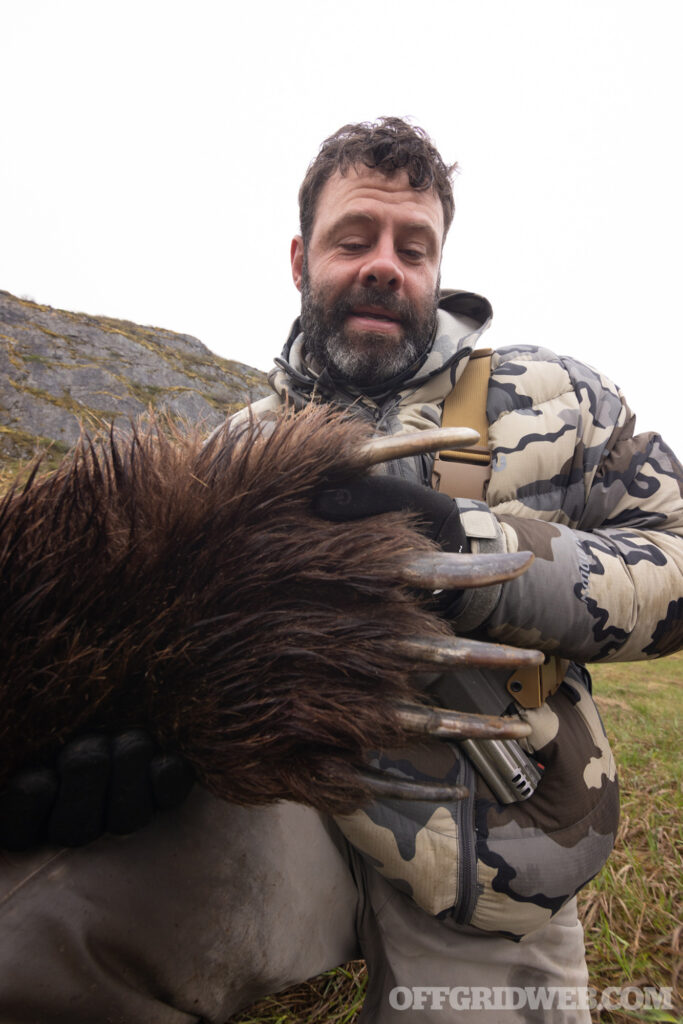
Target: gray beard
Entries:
(371, 358)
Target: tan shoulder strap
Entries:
(465, 472)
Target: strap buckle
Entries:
(462, 474)
(532, 685)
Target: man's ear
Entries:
(296, 255)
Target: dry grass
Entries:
(335, 997)
(632, 910)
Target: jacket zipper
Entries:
(467, 866)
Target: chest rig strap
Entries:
(465, 473)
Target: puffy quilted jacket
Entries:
(602, 510)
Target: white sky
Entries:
(152, 151)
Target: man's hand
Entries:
(98, 784)
(370, 496)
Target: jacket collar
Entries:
(462, 318)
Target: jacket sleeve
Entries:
(601, 509)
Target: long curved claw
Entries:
(394, 788)
(398, 446)
(460, 651)
(458, 725)
(442, 570)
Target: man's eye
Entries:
(413, 254)
(352, 246)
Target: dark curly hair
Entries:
(389, 144)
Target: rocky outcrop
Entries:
(61, 369)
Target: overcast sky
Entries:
(152, 151)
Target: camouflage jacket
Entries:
(602, 510)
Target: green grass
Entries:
(632, 910)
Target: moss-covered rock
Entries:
(61, 369)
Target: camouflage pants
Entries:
(213, 906)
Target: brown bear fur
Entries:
(152, 581)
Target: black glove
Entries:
(99, 784)
(370, 496)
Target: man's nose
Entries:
(382, 269)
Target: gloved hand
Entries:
(370, 496)
(99, 784)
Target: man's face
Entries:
(369, 278)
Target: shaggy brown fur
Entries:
(191, 591)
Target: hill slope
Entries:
(61, 368)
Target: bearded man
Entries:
(212, 906)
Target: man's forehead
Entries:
(371, 192)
